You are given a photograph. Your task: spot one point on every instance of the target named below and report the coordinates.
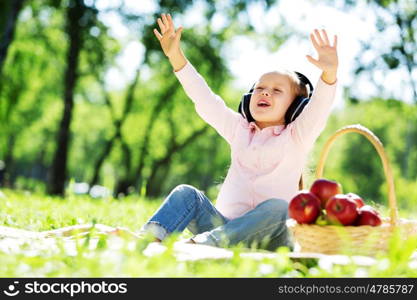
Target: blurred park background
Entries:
(89, 103)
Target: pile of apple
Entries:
(325, 204)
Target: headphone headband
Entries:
(306, 82)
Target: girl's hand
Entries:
(327, 61)
(169, 39)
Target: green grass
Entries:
(39, 212)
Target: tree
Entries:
(138, 158)
(203, 46)
(9, 12)
(27, 86)
(80, 18)
(399, 16)
(118, 124)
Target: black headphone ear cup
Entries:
(295, 109)
(244, 107)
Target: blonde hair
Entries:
(297, 88)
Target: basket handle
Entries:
(379, 148)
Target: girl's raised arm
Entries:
(311, 122)
(169, 38)
(209, 106)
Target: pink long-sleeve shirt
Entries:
(265, 163)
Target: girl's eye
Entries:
(277, 90)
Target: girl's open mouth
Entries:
(263, 103)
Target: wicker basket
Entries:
(353, 240)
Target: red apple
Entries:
(358, 199)
(304, 207)
(368, 216)
(341, 209)
(325, 189)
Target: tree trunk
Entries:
(124, 185)
(155, 182)
(8, 177)
(99, 163)
(118, 124)
(9, 12)
(135, 179)
(157, 109)
(58, 173)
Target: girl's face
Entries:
(271, 97)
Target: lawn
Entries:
(116, 257)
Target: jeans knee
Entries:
(184, 189)
(276, 207)
(183, 192)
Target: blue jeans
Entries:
(187, 207)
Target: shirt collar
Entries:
(276, 130)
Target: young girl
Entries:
(267, 155)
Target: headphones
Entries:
(293, 110)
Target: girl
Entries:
(267, 154)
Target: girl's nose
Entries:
(265, 92)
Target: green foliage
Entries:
(395, 54)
